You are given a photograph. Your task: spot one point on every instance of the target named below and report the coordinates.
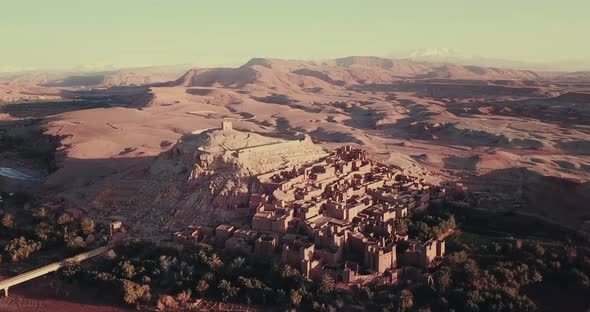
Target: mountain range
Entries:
(446, 55)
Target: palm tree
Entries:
(443, 280)
(87, 226)
(327, 284)
(202, 287)
(215, 261)
(238, 263)
(406, 300)
(8, 220)
(227, 290)
(296, 297)
(64, 220)
(40, 213)
(401, 225)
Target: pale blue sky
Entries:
(70, 33)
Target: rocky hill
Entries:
(347, 71)
(201, 179)
(103, 78)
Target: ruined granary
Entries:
(334, 216)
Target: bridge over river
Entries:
(15, 280)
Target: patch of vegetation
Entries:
(20, 248)
(38, 237)
(167, 277)
(27, 140)
(429, 224)
(481, 272)
(487, 274)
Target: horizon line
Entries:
(104, 68)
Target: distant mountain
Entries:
(277, 74)
(302, 75)
(453, 71)
(144, 75)
(574, 76)
(446, 55)
(91, 78)
(437, 53)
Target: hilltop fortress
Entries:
(320, 213)
(250, 153)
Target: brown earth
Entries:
(474, 124)
(48, 293)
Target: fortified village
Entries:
(334, 216)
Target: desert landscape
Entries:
(146, 151)
(497, 131)
(294, 156)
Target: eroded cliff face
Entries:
(221, 179)
(225, 163)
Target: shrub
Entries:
(183, 297)
(87, 226)
(21, 248)
(406, 300)
(295, 297)
(43, 230)
(75, 242)
(202, 287)
(127, 269)
(132, 292)
(7, 221)
(227, 291)
(71, 270)
(41, 213)
(167, 302)
(105, 277)
(401, 226)
(64, 219)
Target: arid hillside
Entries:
(96, 78)
(518, 135)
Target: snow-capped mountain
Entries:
(447, 55)
(436, 53)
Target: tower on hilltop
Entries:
(226, 126)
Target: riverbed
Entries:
(15, 174)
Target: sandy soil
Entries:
(20, 92)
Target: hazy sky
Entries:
(70, 33)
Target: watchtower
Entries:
(226, 126)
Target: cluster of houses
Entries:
(336, 216)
